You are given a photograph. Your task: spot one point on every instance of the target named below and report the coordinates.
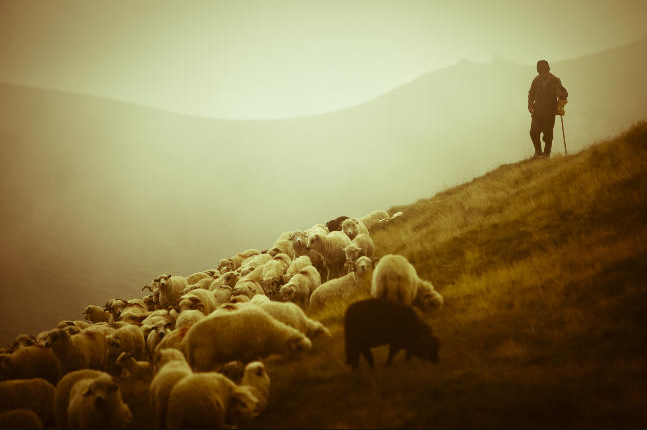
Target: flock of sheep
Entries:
(195, 343)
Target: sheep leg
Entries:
(392, 351)
(369, 357)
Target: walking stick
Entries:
(561, 117)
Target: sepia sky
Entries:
(270, 59)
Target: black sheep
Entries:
(335, 224)
(375, 322)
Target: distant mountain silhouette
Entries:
(101, 196)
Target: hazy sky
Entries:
(267, 59)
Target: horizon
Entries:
(282, 60)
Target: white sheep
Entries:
(30, 362)
(248, 287)
(396, 279)
(211, 400)
(272, 273)
(141, 370)
(427, 298)
(245, 334)
(95, 314)
(134, 312)
(195, 277)
(75, 323)
(171, 288)
(240, 257)
(201, 283)
(295, 267)
(62, 394)
(97, 403)
(78, 351)
(199, 299)
(35, 394)
(114, 306)
(173, 339)
(228, 278)
(331, 248)
(301, 286)
(291, 314)
(129, 338)
(343, 290)
(188, 317)
(361, 245)
(253, 262)
(372, 219)
(171, 368)
(352, 227)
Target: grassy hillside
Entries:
(542, 266)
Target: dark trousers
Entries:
(542, 124)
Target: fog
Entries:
(100, 195)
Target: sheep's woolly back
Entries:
(30, 362)
(172, 367)
(245, 334)
(372, 219)
(291, 314)
(62, 395)
(395, 279)
(199, 400)
(35, 394)
(20, 419)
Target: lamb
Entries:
(141, 370)
(200, 299)
(129, 338)
(352, 227)
(96, 314)
(97, 403)
(342, 290)
(171, 288)
(396, 279)
(85, 349)
(20, 419)
(30, 362)
(374, 322)
(372, 219)
(335, 224)
(35, 394)
(301, 286)
(361, 245)
(62, 393)
(256, 379)
(292, 315)
(245, 334)
(172, 367)
(331, 247)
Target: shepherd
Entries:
(545, 92)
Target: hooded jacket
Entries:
(544, 93)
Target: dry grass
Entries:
(542, 266)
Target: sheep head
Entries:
(288, 292)
(299, 344)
